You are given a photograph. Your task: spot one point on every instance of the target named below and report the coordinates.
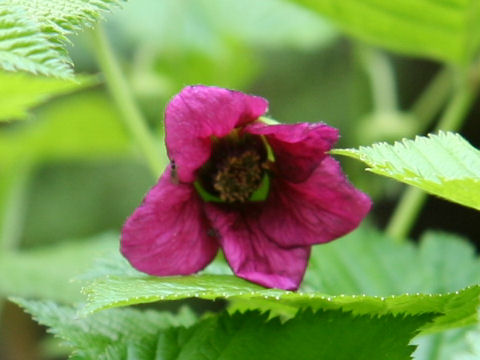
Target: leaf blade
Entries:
(110, 292)
(116, 331)
(33, 34)
(132, 333)
(444, 30)
(445, 165)
(380, 279)
(252, 336)
(19, 92)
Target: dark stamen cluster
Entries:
(239, 177)
(236, 167)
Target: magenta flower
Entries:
(263, 193)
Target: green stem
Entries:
(124, 100)
(382, 79)
(13, 192)
(13, 207)
(435, 346)
(413, 199)
(432, 99)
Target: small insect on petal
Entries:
(174, 173)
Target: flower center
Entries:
(235, 170)
(239, 177)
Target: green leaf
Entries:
(213, 43)
(445, 165)
(144, 335)
(368, 262)
(19, 92)
(363, 272)
(42, 272)
(23, 46)
(33, 33)
(117, 331)
(219, 22)
(445, 30)
(114, 291)
(329, 334)
(63, 133)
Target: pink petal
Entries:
(167, 234)
(252, 254)
(298, 148)
(324, 207)
(200, 112)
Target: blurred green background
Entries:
(78, 172)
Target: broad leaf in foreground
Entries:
(367, 261)
(144, 335)
(459, 307)
(444, 30)
(33, 33)
(363, 272)
(445, 165)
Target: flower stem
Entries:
(124, 100)
(413, 198)
(382, 79)
(435, 346)
(432, 99)
(15, 184)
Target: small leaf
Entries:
(445, 165)
(443, 30)
(33, 33)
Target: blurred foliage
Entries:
(41, 272)
(81, 126)
(209, 42)
(87, 198)
(19, 92)
(473, 352)
(444, 30)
